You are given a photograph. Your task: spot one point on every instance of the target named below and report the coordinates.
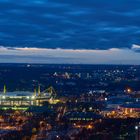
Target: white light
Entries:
(3, 97)
(136, 127)
(105, 99)
(33, 97)
(27, 97)
(90, 108)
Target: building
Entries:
(130, 108)
(22, 99)
(82, 116)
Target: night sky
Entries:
(70, 31)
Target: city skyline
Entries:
(69, 70)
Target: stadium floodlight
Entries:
(33, 97)
(27, 97)
(3, 97)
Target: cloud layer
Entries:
(70, 24)
(91, 31)
(70, 56)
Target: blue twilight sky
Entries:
(85, 31)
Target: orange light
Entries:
(89, 126)
(129, 90)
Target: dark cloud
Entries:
(90, 24)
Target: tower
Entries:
(39, 93)
(4, 89)
(34, 92)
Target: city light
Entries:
(33, 97)
(69, 70)
(129, 90)
(89, 127)
(27, 97)
(3, 97)
(90, 108)
(136, 127)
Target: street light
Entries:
(129, 90)
(137, 132)
(136, 127)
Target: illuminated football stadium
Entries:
(26, 99)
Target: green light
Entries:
(15, 108)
